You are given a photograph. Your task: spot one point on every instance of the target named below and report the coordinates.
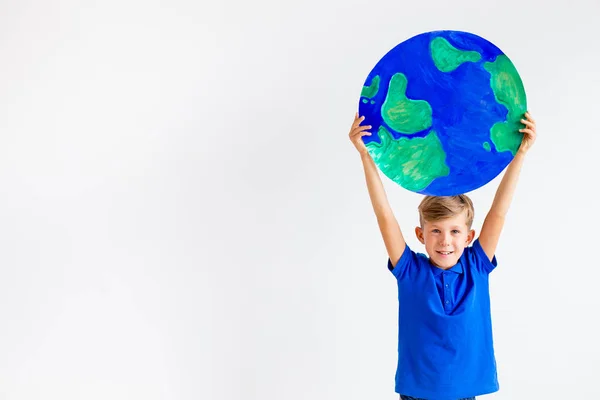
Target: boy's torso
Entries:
(445, 335)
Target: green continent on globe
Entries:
(371, 90)
(413, 163)
(447, 57)
(401, 113)
(508, 90)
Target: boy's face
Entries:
(445, 240)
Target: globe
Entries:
(445, 110)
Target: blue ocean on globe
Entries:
(445, 110)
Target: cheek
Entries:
(461, 241)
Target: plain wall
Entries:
(182, 215)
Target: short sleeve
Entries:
(406, 259)
(481, 260)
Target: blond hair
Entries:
(437, 208)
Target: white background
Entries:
(182, 215)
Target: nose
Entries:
(446, 240)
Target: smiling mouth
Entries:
(445, 253)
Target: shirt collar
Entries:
(458, 268)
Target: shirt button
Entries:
(447, 302)
(446, 285)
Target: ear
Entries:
(470, 236)
(419, 233)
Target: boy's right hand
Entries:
(357, 132)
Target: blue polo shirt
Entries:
(445, 346)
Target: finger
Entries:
(360, 138)
(362, 128)
(357, 121)
(529, 117)
(528, 123)
(527, 131)
(359, 133)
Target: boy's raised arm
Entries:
(494, 221)
(388, 225)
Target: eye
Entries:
(436, 231)
(455, 231)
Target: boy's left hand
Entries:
(529, 133)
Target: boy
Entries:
(445, 347)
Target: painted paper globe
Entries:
(445, 110)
